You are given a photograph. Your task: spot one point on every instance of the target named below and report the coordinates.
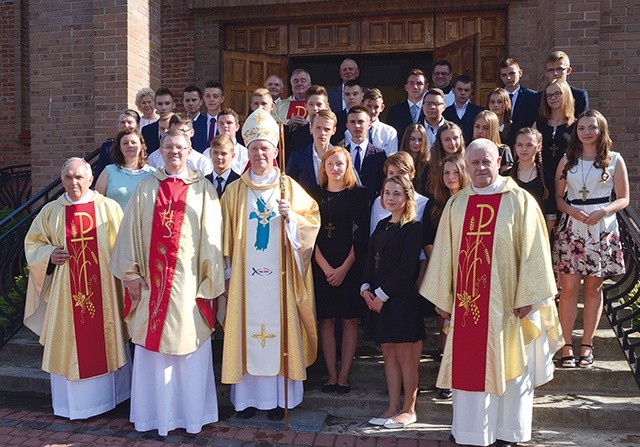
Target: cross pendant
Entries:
(377, 258)
(554, 149)
(584, 191)
(329, 227)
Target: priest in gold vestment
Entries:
(168, 253)
(253, 209)
(73, 302)
(490, 273)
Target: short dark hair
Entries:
(358, 109)
(464, 79)
(504, 63)
(179, 119)
(415, 72)
(443, 62)
(163, 91)
(214, 84)
(192, 88)
(353, 83)
(373, 93)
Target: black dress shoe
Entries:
(276, 414)
(343, 389)
(247, 413)
(444, 394)
(501, 443)
(328, 388)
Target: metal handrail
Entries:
(622, 295)
(15, 185)
(13, 271)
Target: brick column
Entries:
(88, 59)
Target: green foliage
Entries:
(13, 303)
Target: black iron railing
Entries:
(15, 185)
(13, 271)
(622, 296)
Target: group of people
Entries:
(374, 223)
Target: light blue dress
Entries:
(122, 182)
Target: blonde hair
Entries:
(409, 212)
(401, 160)
(508, 107)
(493, 122)
(349, 178)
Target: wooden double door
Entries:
(472, 42)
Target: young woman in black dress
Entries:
(388, 289)
(339, 254)
(528, 171)
(556, 124)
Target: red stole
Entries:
(166, 228)
(473, 292)
(86, 289)
(296, 108)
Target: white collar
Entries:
(88, 197)
(493, 188)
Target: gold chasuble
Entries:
(77, 308)
(171, 237)
(300, 308)
(487, 260)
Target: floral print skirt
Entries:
(592, 250)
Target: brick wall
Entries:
(12, 84)
(619, 70)
(177, 40)
(88, 59)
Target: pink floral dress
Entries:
(581, 249)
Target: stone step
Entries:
(568, 411)
(24, 347)
(20, 378)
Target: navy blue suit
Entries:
(523, 113)
(371, 172)
(296, 139)
(150, 132)
(104, 158)
(233, 176)
(581, 98)
(466, 123)
(399, 117)
(199, 139)
(335, 98)
(300, 168)
(341, 127)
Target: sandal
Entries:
(586, 361)
(568, 361)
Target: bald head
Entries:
(483, 162)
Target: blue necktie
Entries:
(511, 99)
(358, 161)
(415, 113)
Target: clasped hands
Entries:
(373, 302)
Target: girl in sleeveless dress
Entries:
(588, 245)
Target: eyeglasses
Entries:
(558, 70)
(173, 148)
(553, 95)
(433, 104)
